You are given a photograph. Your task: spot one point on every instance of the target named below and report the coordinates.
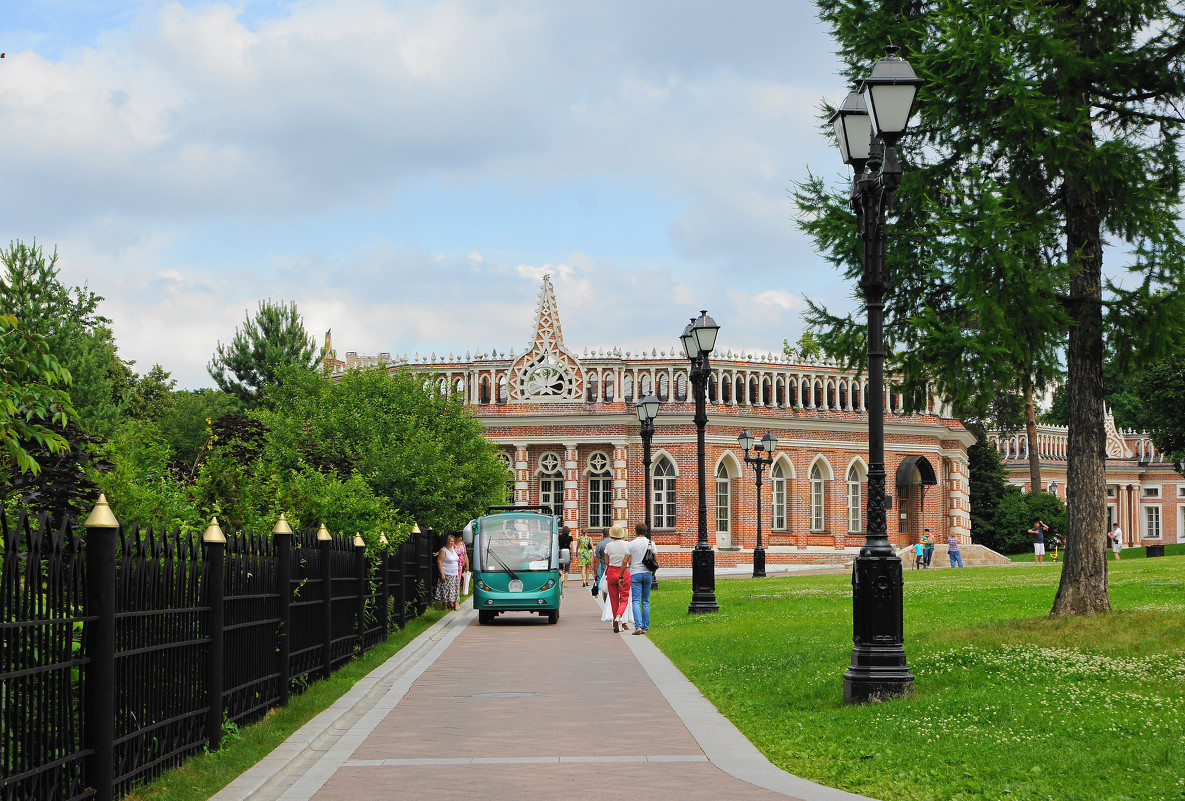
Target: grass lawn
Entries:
(202, 776)
(1008, 703)
(1128, 553)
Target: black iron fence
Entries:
(124, 649)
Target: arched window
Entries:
(600, 492)
(502, 389)
(627, 387)
(818, 394)
(806, 393)
(780, 393)
(777, 480)
(792, 401)
(663, 387)
(726, 391)
(830, 395)
(722, 499)
(843, 395)
(459, 386)
(609, 381)
(681, 387)
(739, 394)
(551, 482)
(644, 385)
(483, 394)
(507, 462)
(766, 394)
(856, 476)
(856, 398)
(592, 388)
(662, 507)
(818, 495)
(712, 394)
(753, 401)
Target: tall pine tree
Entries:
(1043, 128)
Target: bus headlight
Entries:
(550, 583)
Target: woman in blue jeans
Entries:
(641, 579)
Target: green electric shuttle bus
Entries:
(515, 557)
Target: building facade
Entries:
(1145, 494)
(566, 427)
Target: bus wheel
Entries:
(484, 617)
(553, 616)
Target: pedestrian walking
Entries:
(952, 550)
(919, 555)
(584, 556)
(928, 542)
(565, 543)
(617, 574)
(448, 564)
(1038, 531)
(599, 558)
(463, 563)
(1116, 537)
(641, 578)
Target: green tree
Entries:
(1042, 127)
(988, 482)
(274, 338)
(415, 445)
(1018, 511)
(73, 330)
(33, 399)
(1161, 388)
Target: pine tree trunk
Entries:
(1083, 587)
(1031, 430)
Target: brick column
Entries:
(621, 510)
(521, 482)
(571, 485)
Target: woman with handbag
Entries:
(643, 564)
(617, 574)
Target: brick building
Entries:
(567, 429)
(1145, 494)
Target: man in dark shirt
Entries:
(565, 542)
(1038, 531)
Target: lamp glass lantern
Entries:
(688, 340)
(853, 129)
(647, 408)
(704, 332)
(746, 440)
(769, 441)
(889, 92)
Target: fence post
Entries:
(401, 591)
(215, 545)
(324, 546)
(99, 704)
(283, 544)
(424, 565)
(360, 609)
(384, 588)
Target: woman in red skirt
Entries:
(617, 577)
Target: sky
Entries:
(406, 172)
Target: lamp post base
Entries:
(703, 582)
(877, 673)
(758, 563)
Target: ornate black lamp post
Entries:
(647, 409)
(699, 337)
(868, 142)
(767, 445)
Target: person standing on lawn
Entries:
(1038, 531)
(1116, 537)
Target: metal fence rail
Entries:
(123, 650)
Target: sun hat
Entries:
(617, 533)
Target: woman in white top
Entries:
(448, 589)
(617, 574)
(641, 578)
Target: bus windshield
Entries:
(516, 543)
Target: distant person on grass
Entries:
(952, 550)
(1116, 538)
(1038, 531)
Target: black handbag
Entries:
(650, 561)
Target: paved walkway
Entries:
(477, 712)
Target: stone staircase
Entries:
(973, 556)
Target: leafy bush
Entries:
(1016, 513)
